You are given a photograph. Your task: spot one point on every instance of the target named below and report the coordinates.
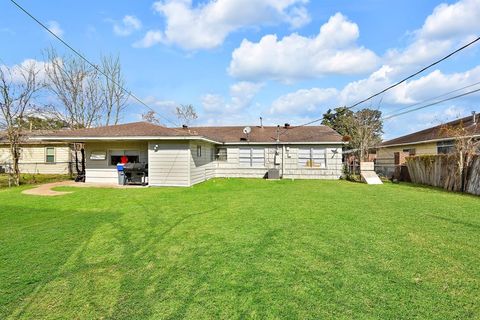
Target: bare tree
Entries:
(17, 90)
(150, 116)
(366, 131)
(466, 146)
(77, 88)
(363, 129)
(186, 113)
(115, 97)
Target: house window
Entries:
(252, 157)
(133, 156)
(221, 154)
(445, 147)
(50, 155)
(411, 151)
(199, 151)
(312, 157)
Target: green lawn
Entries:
(34, 178)
(239, 248)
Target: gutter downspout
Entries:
(283, 159)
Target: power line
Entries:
(437, 97)
(397, 83)
(416, 73)
(432, 104)
(90, 63)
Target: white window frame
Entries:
(54, 155)
(255, 158)
(121, 152)
(199, 151)
(316, 158)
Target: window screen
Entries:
(445, 147)
(312, 157)
(221, 154)
(252, 157)
(50, 155)
(133, 156)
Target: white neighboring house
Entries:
(37, 156)
(186, 156)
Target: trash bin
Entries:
(121, 174)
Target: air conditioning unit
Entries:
(273, 174)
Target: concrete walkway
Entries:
(46, 189)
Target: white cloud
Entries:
(447, 28)
(332, 51)
(207, 25)
(127, 26)
(304, 101)
(241, 97)
(54, 26)
(450, 21)
(14, 73)
(315, 101)
(150, 39)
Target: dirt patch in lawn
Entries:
(46, 189)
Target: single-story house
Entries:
(431, 141)
(186, 156)
(37, 156)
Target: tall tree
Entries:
(186, 113)
(18, 88)
(366, 131)
(363, 129)
(115, 97)
(36, 122)
(339, 119)
(77, 88)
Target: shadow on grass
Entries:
(34, 249)
(454, 221)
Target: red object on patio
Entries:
(123, 159)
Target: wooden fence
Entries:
(442, 171)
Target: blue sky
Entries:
(284, 60)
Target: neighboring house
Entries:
(430, 141)
(36, 156)
(186, 156)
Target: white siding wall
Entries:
(175, 163)
(33, 159)
(101, 171)
(169, 164)
(333, 169)
(292, 169)
(201, 168)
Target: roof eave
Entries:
(122, 138)
(283, 142)
(427, 141)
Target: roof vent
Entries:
(287, 125)
(184, 126)
(474, 117)
(243, 139)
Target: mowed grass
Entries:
(241, 248)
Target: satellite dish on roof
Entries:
(247, 130)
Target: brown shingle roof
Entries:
(219, 134)
(269, 134)
(25, 135)
(436, 133)
(123, 130)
